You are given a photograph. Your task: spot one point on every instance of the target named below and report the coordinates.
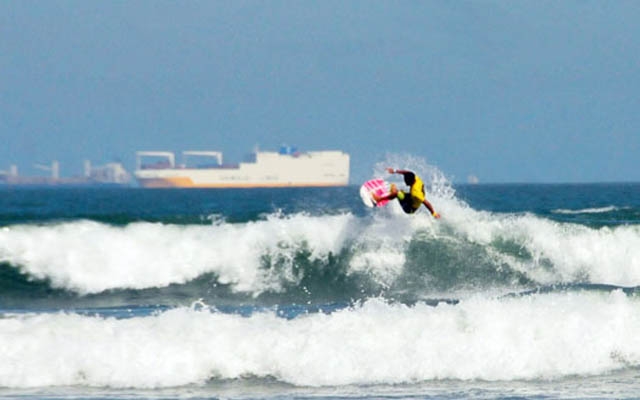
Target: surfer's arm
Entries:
(430, 208)
(398, 171)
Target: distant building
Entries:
(109, 173)
(472, 179)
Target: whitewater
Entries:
(256, 256)
(375, 342)
(516, 291)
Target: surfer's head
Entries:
(409, 178)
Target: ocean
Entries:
(519, 291)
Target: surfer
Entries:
(411, 200)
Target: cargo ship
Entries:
(269, 169)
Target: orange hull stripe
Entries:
(185, 182)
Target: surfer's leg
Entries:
(393, 193)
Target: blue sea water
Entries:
(518, 291)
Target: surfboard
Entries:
(377, 186)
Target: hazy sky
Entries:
(509, 91)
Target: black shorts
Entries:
(407, 204)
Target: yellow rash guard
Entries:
(412, 200)
(417, 193)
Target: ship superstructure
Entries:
(286, 168)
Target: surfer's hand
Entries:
(391, 170)
(436, 215)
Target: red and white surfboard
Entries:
(377, 186)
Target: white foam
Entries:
(559, 252)
(435, 180)
(91, 257)
(379, 250)
(542, 336)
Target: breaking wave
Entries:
(382, 251)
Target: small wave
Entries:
(596, 210)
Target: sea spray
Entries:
(436, 182)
